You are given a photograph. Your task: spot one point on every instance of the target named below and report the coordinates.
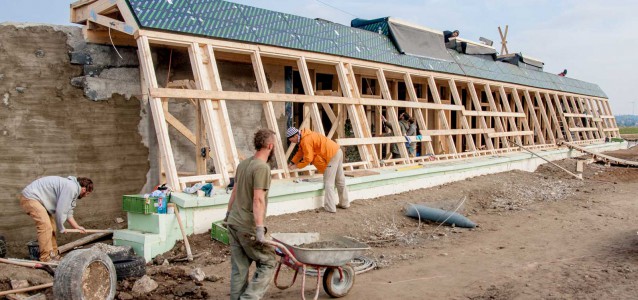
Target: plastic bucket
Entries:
(34, 250)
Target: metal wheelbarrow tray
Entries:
(331, 254)
(343, 249)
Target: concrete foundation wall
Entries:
(49, 127)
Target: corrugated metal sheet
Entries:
(227, 20)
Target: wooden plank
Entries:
(552, 113)
(473, 113)
(519, 108)
(380, 140)
(582, 129)
(225, 127)
(442, 118)
(211, 119)
(510, 133)
(506, 106)
(180, 127)
(544, 117)
(537, 127)
(255, 96)
(315, 115)
(418, 114)
(458, 131)
(392, 115)
(83, 241)
(360, 173)
(559, 109)
(499, 123)
(269, 111)
(482, 122)
(159, 120)
(201, 178)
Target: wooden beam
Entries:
(537, 126)
(309, 90)
(442, 118)
(181, 128)
(269, 111)
(482, 122)
(380, 140)
(559, 109)
(255, 96)
(418, 114)
(552, 113)
(159, 120)
(392, 115)
(510, 133)
(203, 81)
(539, 100)
(225, 125)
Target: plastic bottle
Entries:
(161, 205)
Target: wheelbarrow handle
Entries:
(284, 249)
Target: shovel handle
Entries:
(91, 230)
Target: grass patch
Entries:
(628, 130)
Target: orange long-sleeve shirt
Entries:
(316, 149)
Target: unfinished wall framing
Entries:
(456, 116)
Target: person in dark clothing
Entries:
(450, 34)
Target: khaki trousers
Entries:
(244, 250)
(333, 175)
(45, 226)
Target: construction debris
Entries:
(144, 286)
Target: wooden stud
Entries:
(227, 133)
(269, 111)
(537, 127)
(563, 119)
(548, 126)
(214, 134)
(552, 113)
(482, 122)
(442, 117)
(161, 128)
(315, 115)
(392, 115)
(497, 119)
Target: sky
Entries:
(594, 40)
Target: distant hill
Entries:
(627, 120)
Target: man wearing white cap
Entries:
(327, 157)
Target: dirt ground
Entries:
(541, 235)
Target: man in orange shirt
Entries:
(327, 157)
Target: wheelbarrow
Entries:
(332, 258)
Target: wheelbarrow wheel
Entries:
(332, 283)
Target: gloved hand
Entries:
(225, 222)
(261, 234)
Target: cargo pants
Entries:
(45, 227)
(333, 175)
(244, 249)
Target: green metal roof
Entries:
(232, 21)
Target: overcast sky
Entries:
(594, 40)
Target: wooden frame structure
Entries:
(457, 116)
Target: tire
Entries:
(125, 254)
(85, 275)
(132, 267)
(332, 281)
(3, 247)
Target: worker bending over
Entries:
(327, 157)
(50, 201)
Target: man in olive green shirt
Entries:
(245, 221)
